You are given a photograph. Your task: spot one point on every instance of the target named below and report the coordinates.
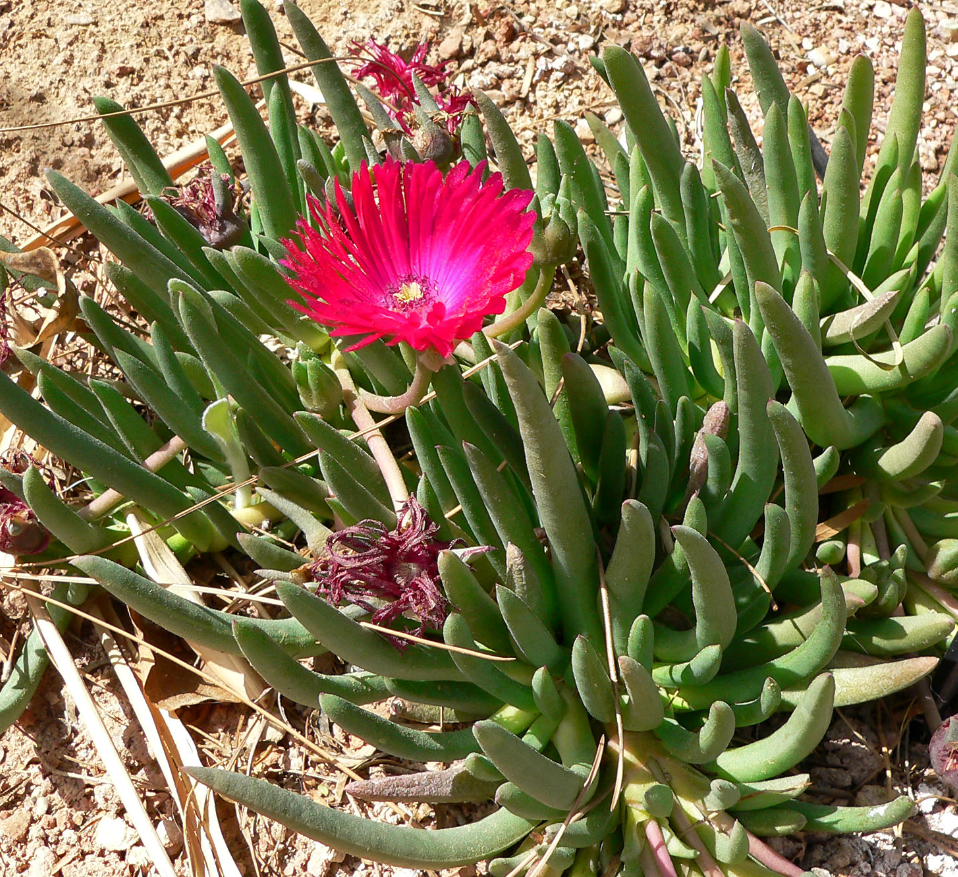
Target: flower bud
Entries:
(319, 388)
(556, 231)
(432, 142)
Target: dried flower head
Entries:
(393, 78)
(398, 567)
(416, 257)
(210, 208)
(20, 532)
(943, 750)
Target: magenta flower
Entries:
(416, 257)
(393, 78)
(393, 75)
(398, 567)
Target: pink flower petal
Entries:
(416, 258)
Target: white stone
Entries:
(112, 833)
(138, 858)
(927, 796)
(820, 57)
(221, 12)
(882, 9)
(945, 822)
(320, 859)
(42, 862)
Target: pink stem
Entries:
(880, 532)
(911, 532)
(663, 860)
(687, 833)
(378, 446)
(398, 404)
(763, 853)
(853, 551)
(650, 867)
(110, 498)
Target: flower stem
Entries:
(378, 446)
(528, 307)
(663, 860)
(762, 852)
(398, 404)
(686, 832)
(110, 498)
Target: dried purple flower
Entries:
(20, 532)
(943, 750)
(207, 203)
(367, 561)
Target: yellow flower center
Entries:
(409, 292)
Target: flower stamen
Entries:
(409, 291)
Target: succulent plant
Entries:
(840, 290)
(605, 555)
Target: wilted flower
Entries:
(210, 209)
(416, 257)
(943, 750)
(393, 78)
(367, 561)
(20, 532)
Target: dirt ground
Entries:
(58, 811)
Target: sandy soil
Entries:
(58, 812)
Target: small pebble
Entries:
(451, 47)
(171, 836)
(112, 833)
(42, 862)
(138, 858)
(820, 57)
(15, 827)
(221, 12)
(81, 19)
(881, 9)
(948, 30)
